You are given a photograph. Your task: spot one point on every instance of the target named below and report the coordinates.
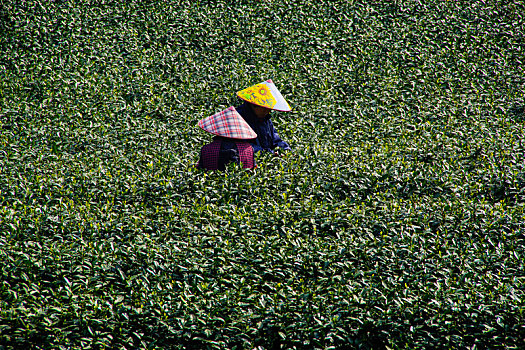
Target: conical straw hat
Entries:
(265, 94)
(228, 123)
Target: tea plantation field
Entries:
(397, 221)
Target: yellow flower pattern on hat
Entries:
(258, 94)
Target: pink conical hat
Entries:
(265, 94)
(228, 123)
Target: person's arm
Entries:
(256, 147)
(276, 139)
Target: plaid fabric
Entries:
(210, 157)
(228, 123)
(246, 154)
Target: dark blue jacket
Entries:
(267, 138)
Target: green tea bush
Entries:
(397, 221)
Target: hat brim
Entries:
(228, 123)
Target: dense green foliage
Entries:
(398, 221)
